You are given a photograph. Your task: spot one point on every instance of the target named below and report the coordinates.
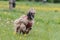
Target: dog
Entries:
(24, 23)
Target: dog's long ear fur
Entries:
(30, 16)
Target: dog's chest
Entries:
(27, 22)
(29, 25)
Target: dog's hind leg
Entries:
(23, 28)
(17, 29)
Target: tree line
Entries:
(52, 1)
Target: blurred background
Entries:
(51, 1)
(47, 19)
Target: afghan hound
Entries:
(25, 22)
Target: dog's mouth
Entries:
(30, 16)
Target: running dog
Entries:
(25, 22)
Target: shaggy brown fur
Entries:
(25, 22)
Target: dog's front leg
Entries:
(27, 30)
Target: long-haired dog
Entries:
(25, 22)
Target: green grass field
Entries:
(46, 27)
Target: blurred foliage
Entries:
(52, 1)
(56, 1)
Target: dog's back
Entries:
(21, 23)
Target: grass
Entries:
(47, 22)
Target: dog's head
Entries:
(31, 14)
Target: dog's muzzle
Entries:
(30, 16)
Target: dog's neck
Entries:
(29, 19)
